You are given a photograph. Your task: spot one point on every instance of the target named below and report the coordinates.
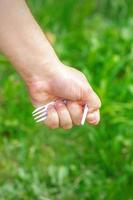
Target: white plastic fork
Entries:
(86, 109)
(40, 113)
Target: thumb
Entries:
(79, 91)
(90, 98)
(71, 84)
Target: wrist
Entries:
(37, 66)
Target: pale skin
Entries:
(46, 77)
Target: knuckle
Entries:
(61, 110)
(70, 104)
(72, 107)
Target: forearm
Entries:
(21, 38)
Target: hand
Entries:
(37, 63)
(62, 82)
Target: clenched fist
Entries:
(62, 82)
(47, 79)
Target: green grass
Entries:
(85, 163)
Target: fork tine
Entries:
(42, 119)
(37, 109)
(41, 115)
(41, 107)
(39, 112)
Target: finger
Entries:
(52, 120)
(93, 118)
(75, 111)
(91, 98)
(63, 114)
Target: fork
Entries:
(40, 114)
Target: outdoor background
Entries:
(85, 163)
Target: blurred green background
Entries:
(85, 163)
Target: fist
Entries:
(62, 82)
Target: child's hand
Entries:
(62, 82)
